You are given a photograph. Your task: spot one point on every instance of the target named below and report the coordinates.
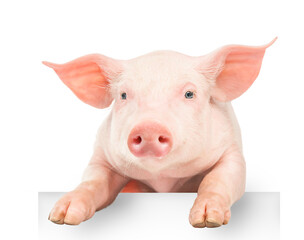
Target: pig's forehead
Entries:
(161, 67)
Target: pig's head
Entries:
(163, 101)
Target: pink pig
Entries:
(171, 129)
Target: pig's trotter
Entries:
(73, 208)
(209, 210)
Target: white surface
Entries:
(165, 216)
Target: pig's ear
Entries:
(232, 69)
(89, 77)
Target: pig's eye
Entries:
(123, 96)
(189, 94)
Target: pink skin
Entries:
(156, 135)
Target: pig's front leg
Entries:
(220, 188)
(98, 189)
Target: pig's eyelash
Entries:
(104, 87)
(99, 86)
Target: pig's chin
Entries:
(179, 162)
(152, 164)
(152, 161)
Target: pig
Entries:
(171, 129)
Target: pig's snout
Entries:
(150, 139)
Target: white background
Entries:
(47, 134)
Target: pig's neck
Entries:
(163, 184)
(166, 184)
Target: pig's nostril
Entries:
(163, 139)
(137, 140)
(149, 140)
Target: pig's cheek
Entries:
(119, 105)
(179, 119)
(121, 125)
(192, 135)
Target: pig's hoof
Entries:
(73, 208)
(209, 210)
